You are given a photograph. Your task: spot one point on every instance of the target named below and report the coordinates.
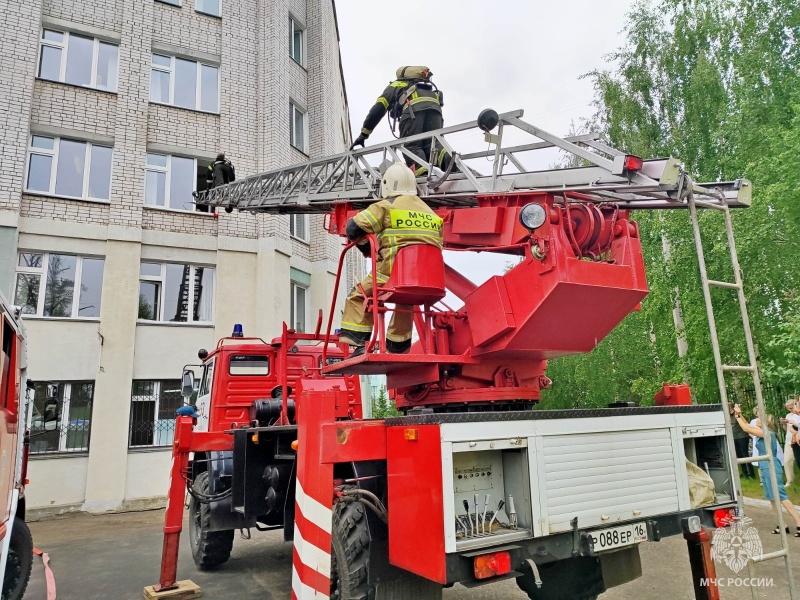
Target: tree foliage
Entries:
(715, 84)
(382, 406)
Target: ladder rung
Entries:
(724, 284)
(770, 555)
(749, 368)
(750, 459)
(704, 204)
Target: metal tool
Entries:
(512, 513)
(476, 514)
(483, 517)
(464, 527)
(469, 519)
(497, 512)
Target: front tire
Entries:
(350, 557)
(210, 549)
(20, 561)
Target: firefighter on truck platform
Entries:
(416, 101)
(401, 219)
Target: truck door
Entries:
(8, 419)
(204, 396)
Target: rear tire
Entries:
(570, 579)
(20, 561)
(210, 549)
(350, 563)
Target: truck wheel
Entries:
(209, 548)
(20, 561)
(350, 563)
(571, 579)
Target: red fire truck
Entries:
(473, 484)
(16, 557)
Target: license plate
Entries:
(619, 537)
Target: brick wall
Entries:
(177, 222)
(57, 209)
(183, 26)
(98, 13)
(181, 127)
(72, 107)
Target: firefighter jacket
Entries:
(403, 97)
(220, 172)
(400, 222)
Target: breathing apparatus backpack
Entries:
(414, 76)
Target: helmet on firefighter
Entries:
(398, 180)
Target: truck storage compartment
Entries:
(492, 498)
(707, 449)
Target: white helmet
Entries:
(398, 180)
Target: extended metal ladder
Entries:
(751, 367)
(316, 185)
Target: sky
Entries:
(501, 54)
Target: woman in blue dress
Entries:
(763, 466)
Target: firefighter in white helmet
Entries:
(401, 219)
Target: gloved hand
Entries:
(364, 249)
(360, 141)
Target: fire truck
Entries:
(16, 544)
(475, 482)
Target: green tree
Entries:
(382, 406)
(714, 83)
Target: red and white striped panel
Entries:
(311, 559)
(313, 518)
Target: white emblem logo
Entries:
(736, 544)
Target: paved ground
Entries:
(113, 557)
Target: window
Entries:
(59, 285)
(170, 181)
(244, 364)
(298, 226)
(184, 83)
(165, 289)
(297, 128)
(209, 7)
(297, 38)
(71, 404)
(78, 60)
(68, 168)
(300, 282)
(153, 406)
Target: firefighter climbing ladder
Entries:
(751, 367)
(316, 186)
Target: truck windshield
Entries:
(248, 365)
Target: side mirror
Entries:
(187, 384)
(51, 414)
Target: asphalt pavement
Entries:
(112, 557)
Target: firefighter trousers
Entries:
(421, 122)
(357, 324)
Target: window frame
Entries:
(203, 12)
(168, 182)
(198, 87)
(162, 280)
(156, 399)
(42, 273)
(295, 26)
(54, 154)
(177, 3)
(64, 47)
(63, 434)
(293, 286)
(293, 106)
(293, 218)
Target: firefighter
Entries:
(401, 219)
(417, 103)
(220, 172)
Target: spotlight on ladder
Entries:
(237, 330)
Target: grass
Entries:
(752, 489)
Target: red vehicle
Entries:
(16, 558)
(470, 486)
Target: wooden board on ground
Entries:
(186, 590)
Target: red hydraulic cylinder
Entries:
(704, 572)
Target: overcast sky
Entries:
(505, 54)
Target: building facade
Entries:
(114, 111)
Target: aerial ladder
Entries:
(547, 217)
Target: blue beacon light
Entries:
(237, 330)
